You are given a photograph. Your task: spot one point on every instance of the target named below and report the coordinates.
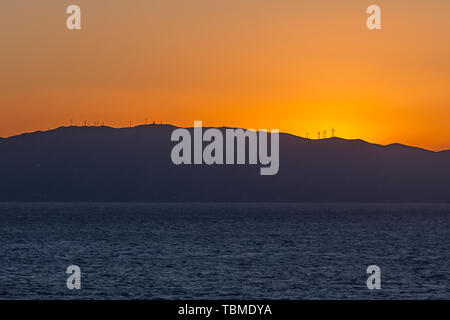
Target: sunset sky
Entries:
(294, 65)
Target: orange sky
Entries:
(298, 66)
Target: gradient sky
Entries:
(299, 66)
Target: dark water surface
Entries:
(225, 251)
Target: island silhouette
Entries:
(105, 164)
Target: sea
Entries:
(224, 250)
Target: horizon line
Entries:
(153, 124)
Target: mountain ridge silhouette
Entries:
(104, 164)
(395, 144)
